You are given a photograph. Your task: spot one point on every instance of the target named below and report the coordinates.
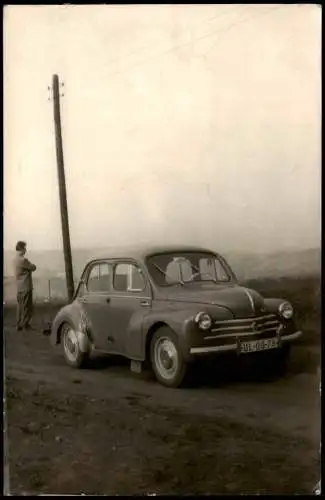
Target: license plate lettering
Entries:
(258, 345)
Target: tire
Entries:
(73, 355)
(166, 358)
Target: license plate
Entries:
(258, 345)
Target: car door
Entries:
(130, 303)
(95, 299)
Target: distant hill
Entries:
(276, 264)
(50, 263)
(245, 265)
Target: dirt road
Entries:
(105, 430)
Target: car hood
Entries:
(241, 301)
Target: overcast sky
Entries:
(195, 124)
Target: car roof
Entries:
(140, 252)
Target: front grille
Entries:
(242, 327)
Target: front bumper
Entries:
(234, 346)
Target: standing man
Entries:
(23, 274)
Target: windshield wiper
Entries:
(163, 272)
(198, 273)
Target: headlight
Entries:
(286, 310)
(203, 320)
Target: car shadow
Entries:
(215, 373)
(208, 372)
(205, 373)
(118, 365)
(106, 361)
(223, 371)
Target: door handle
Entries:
(144, 303)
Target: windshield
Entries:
(187, 267)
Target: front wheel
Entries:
(166, 358)
(71, 349)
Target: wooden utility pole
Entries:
(62, 188)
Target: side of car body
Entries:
(119, 307)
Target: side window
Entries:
(93, 278)
(128, 277)
(105, 271)
(121, 278)
(99, 278)
(136, 282)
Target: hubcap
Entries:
(166, 358)
(71, 344)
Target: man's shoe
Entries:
(19, 328)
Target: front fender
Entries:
(273, 305)
(181, 321)
(176, 320)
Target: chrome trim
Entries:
(96, 295)
(245, 327)
(272, 322)
(197, 350)
(233, 347)
(292, 336)
(267, 323)
(240, 334)
(251, 300)
(245, 320)
(112, 296)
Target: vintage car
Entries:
(167, 306)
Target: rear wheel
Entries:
(166, 358)
(71, 349)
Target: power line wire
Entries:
(176, 48)
(149, 46)
(243, 21)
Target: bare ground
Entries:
(105, 430)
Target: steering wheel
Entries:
(200, 274)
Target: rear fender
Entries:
(75, 315)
